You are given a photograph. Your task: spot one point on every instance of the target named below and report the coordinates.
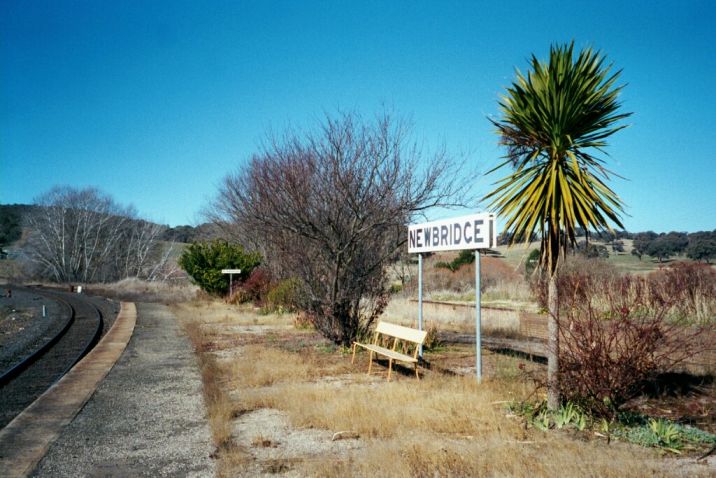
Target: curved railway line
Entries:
(29, 377)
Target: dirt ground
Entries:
(296, 406)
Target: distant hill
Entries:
(189, 234)
(11, 223)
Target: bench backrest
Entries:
(400, 332)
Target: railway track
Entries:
(41, 367)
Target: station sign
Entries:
(476, 231)
(231, 271)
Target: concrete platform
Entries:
(146, 418)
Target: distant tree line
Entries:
(699, 246)
(602, 236)
(189, 234)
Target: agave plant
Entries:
(554, 120)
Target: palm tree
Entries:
(553, 119)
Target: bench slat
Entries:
(388, 353)
(401, 332)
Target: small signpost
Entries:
(231, 273)
(473, 232)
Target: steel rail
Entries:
(16, 369)
(32, 357)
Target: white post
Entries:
(420, 300)
(231, 273)
(478, 318)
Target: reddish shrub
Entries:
(612, 347)
(256, 287)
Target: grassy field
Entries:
(282, 400)
(516, 256)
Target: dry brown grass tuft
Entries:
(447, 406)
(219, 406)
(261, 441)
(214, 312)
(261, 366)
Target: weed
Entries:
(632, 427)
(432, 341)
(666, 433)
(538, 416)
(261, 441)
(326, 348)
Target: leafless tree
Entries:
(84, 235)
(140, 252)
(331, 208)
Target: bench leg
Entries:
(390, 367)
(354, 354)
(370, 362)
(416, 371)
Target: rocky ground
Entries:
(22, 325)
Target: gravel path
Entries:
(147, 418)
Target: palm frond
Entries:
(552, 117)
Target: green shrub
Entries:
(395, 288)
(286, 296)
(540, 417)
(465, 257)
(532, 262)
(203, 261)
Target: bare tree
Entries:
(75, 231)
(141, 251)
(331, 208)
(84, 235)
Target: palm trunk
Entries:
(553, 397)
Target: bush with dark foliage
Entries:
(203, 261)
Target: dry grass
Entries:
(454, 407)
(215, 312)
(438, 426)
(217, 400)
(422, 455)
(142, 291)
(266, 365)
(453, 317)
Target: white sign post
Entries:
(231, 273)
(473, 232)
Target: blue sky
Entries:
(154, 102)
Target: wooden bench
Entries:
(394, 342)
